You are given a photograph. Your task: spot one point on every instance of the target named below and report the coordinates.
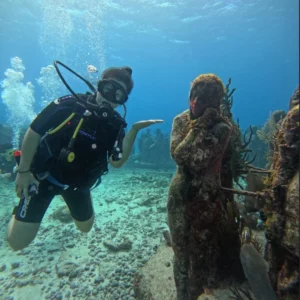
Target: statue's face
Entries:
(197, 107)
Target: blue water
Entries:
(167, 44)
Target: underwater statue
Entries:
(206, 246)
(282, 209)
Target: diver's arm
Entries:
(127, 145)
(29, 147)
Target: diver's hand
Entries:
(23, 181)
(143, 124)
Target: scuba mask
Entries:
(112, 91)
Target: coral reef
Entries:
(258, 146)
(236, 161)
(294, 100)
(202, 219)
(268, 131)
(282, 208)
(280, 199)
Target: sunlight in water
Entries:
(57, 31)
(18, 97)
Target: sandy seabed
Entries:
(63, 263)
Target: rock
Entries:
(62, 214)
(70, 245)
(65, 269)
(162, 208)
(2, 268)
(53, 248)
(155, 280)
(109, 200)
(256, 271)
(98, 279)
(15, 265)
(125, 245)
(75, 273)
(132, 205)
(23, 282)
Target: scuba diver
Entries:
(67, 149)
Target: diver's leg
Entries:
(81, 208)
(27, 217)
(21, 234)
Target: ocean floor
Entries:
(125, 252)
(63, 263)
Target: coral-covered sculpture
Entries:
(280, 199)
(283, 209)
(201, 219)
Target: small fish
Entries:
(92, 69)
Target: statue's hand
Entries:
(209, 117)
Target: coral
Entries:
(258, 146)
(236, 161)
(227, 101)
(282, 208)
(255, 183)
(268, 131)
(295, 99)
(62, 214)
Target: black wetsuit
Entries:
(93, 145)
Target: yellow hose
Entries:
(77, 129)
(62, 124)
